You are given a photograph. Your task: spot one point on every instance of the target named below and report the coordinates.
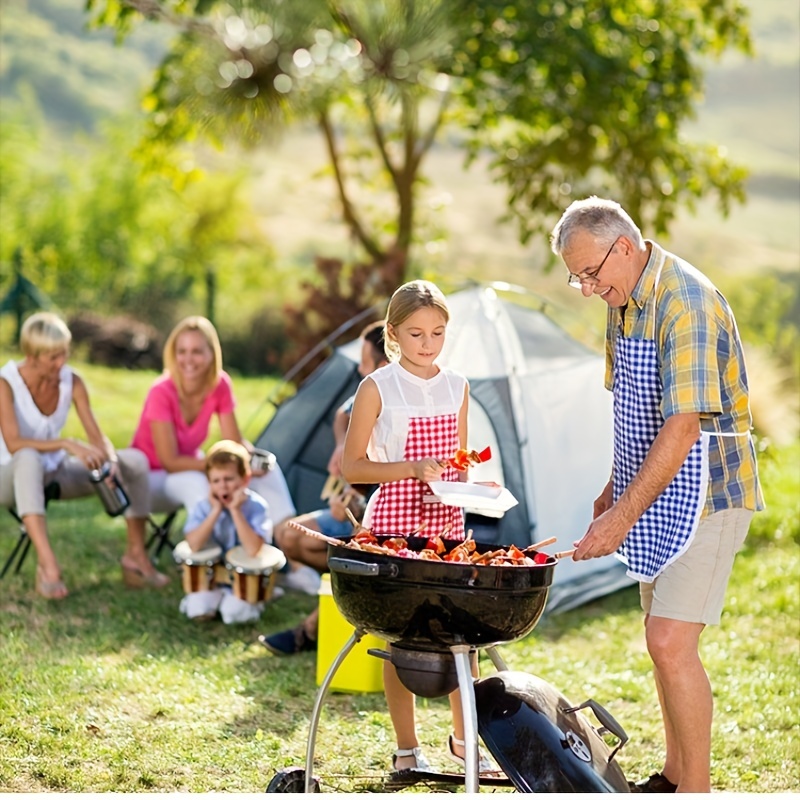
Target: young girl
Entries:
(408, 418)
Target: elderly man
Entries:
(684, 483)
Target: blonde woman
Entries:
(36, 395)
(176, 419)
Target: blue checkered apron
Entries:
(664, 532)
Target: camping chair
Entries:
(160, 536)
(51, 492)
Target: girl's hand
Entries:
(427, 470)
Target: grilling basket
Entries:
(435, 614)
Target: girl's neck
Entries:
(423, 371)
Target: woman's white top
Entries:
(405, 396)
(32, 423)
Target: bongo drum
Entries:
(198, 566)
(253, 577)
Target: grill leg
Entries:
(470, 711)
(321, 693)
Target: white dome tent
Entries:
(537, 399)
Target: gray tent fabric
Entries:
(536, 398)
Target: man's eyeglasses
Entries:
(577, 281)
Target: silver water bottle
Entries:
(114, 498)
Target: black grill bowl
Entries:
(428, 605)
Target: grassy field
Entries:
(113, 690)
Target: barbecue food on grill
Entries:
(434, 550)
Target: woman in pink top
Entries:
(176, 418)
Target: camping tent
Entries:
(537, 399)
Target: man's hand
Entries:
(335, 461)
(605, 535)
(604, 501)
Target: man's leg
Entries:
(686, 701)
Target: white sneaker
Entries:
(303, 579)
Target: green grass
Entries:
(113, 690)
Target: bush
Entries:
(259, 345)
(779, 471)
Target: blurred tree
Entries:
(98, 232)
(570, 97)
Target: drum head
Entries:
(268, 559)
(184, 554)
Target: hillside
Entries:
(78, 77)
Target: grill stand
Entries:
(468, 707)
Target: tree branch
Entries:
(153, 10)
(348, 209)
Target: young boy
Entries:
(231, 515)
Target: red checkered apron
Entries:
(399, 506)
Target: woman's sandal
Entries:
(485, 767)
(134, 578)
(50, 590)
(421, 763)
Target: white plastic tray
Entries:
(474, 496)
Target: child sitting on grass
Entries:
(231, 515)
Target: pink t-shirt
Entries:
(162, 404)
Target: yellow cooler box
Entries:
(359, 672)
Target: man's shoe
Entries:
(289, 642)
(655, 784)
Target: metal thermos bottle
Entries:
(113, 497)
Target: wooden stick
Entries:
(355, 523)
(564, 554)
(543, 543)
(314, 534)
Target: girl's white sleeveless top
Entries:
(405, 396)
(31, 422)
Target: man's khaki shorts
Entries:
(692, 589)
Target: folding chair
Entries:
(51, 492)
(160, 536)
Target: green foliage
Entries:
(97, 227)
(579, 97)
(779, 471)
(47, 51)
(571, 97)
(768, 315)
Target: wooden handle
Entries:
(314, 534)
(564, 554)
(543, 543)
(353, 521)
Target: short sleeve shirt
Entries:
(255, 510)
(162, 404)
(702, 368)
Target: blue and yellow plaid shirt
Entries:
(702, 369)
